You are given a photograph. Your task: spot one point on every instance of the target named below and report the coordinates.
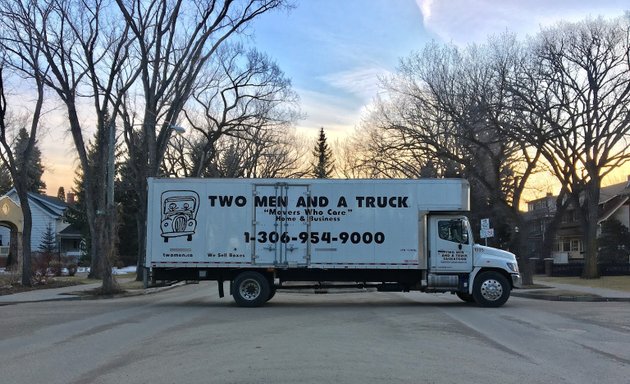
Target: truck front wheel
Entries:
(491, 289)
(467, 297)
(250, 289)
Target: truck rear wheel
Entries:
(272, 292)
(250, 289)
(491, 289)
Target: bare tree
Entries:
(246, 101)
(374, 152)
(266, 153)
(577, 86)
(174, 42)
(19, 174)
(448, 114)
(87, 58)
(278, 154)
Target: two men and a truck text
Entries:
(269, 234)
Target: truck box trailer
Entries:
(266, 234)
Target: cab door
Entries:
(450, 244)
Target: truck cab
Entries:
(452, 253)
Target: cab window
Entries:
(453, 230)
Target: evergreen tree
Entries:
(128, 199)
(428, 169)
(324, 165)
(614, 242)
(34, 168)
(48, 244)
(75, 215)
(6, 183)
(61, 194)
(49, 257)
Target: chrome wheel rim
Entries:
(249, 289)
(491, 290)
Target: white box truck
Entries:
(267, 234)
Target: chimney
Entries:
(70, 198)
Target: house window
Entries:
(576, 245)
(566, 245)
(561, 246)
(567, 218)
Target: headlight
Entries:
(513, 267)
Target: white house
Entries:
(45, 210)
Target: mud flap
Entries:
(221, 292)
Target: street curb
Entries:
(577, 298)
(79, 296)
(133, 292)
(6, 303)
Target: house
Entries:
(614, 203)
(45, 210)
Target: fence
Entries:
(575, 269)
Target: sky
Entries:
(335, 50)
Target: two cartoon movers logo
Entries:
(179, 214)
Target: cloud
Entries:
(360, 82)
(466, 21)
(335, 113)
(425, 8)
(343, 99)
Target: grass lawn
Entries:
(9, 283)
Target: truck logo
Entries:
(179, 214)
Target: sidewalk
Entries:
(556, 291)
(75, 292)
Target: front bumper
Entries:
(517, 280)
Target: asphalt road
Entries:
(189, 335)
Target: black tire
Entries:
(466, 297)
(250, 289)
(491, 289)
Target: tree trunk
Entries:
(88, 186)
(96, 266)
(142, 230)
(589, 226)
(519, 247)
(107, 239)
(26, 235)
(518, 243)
